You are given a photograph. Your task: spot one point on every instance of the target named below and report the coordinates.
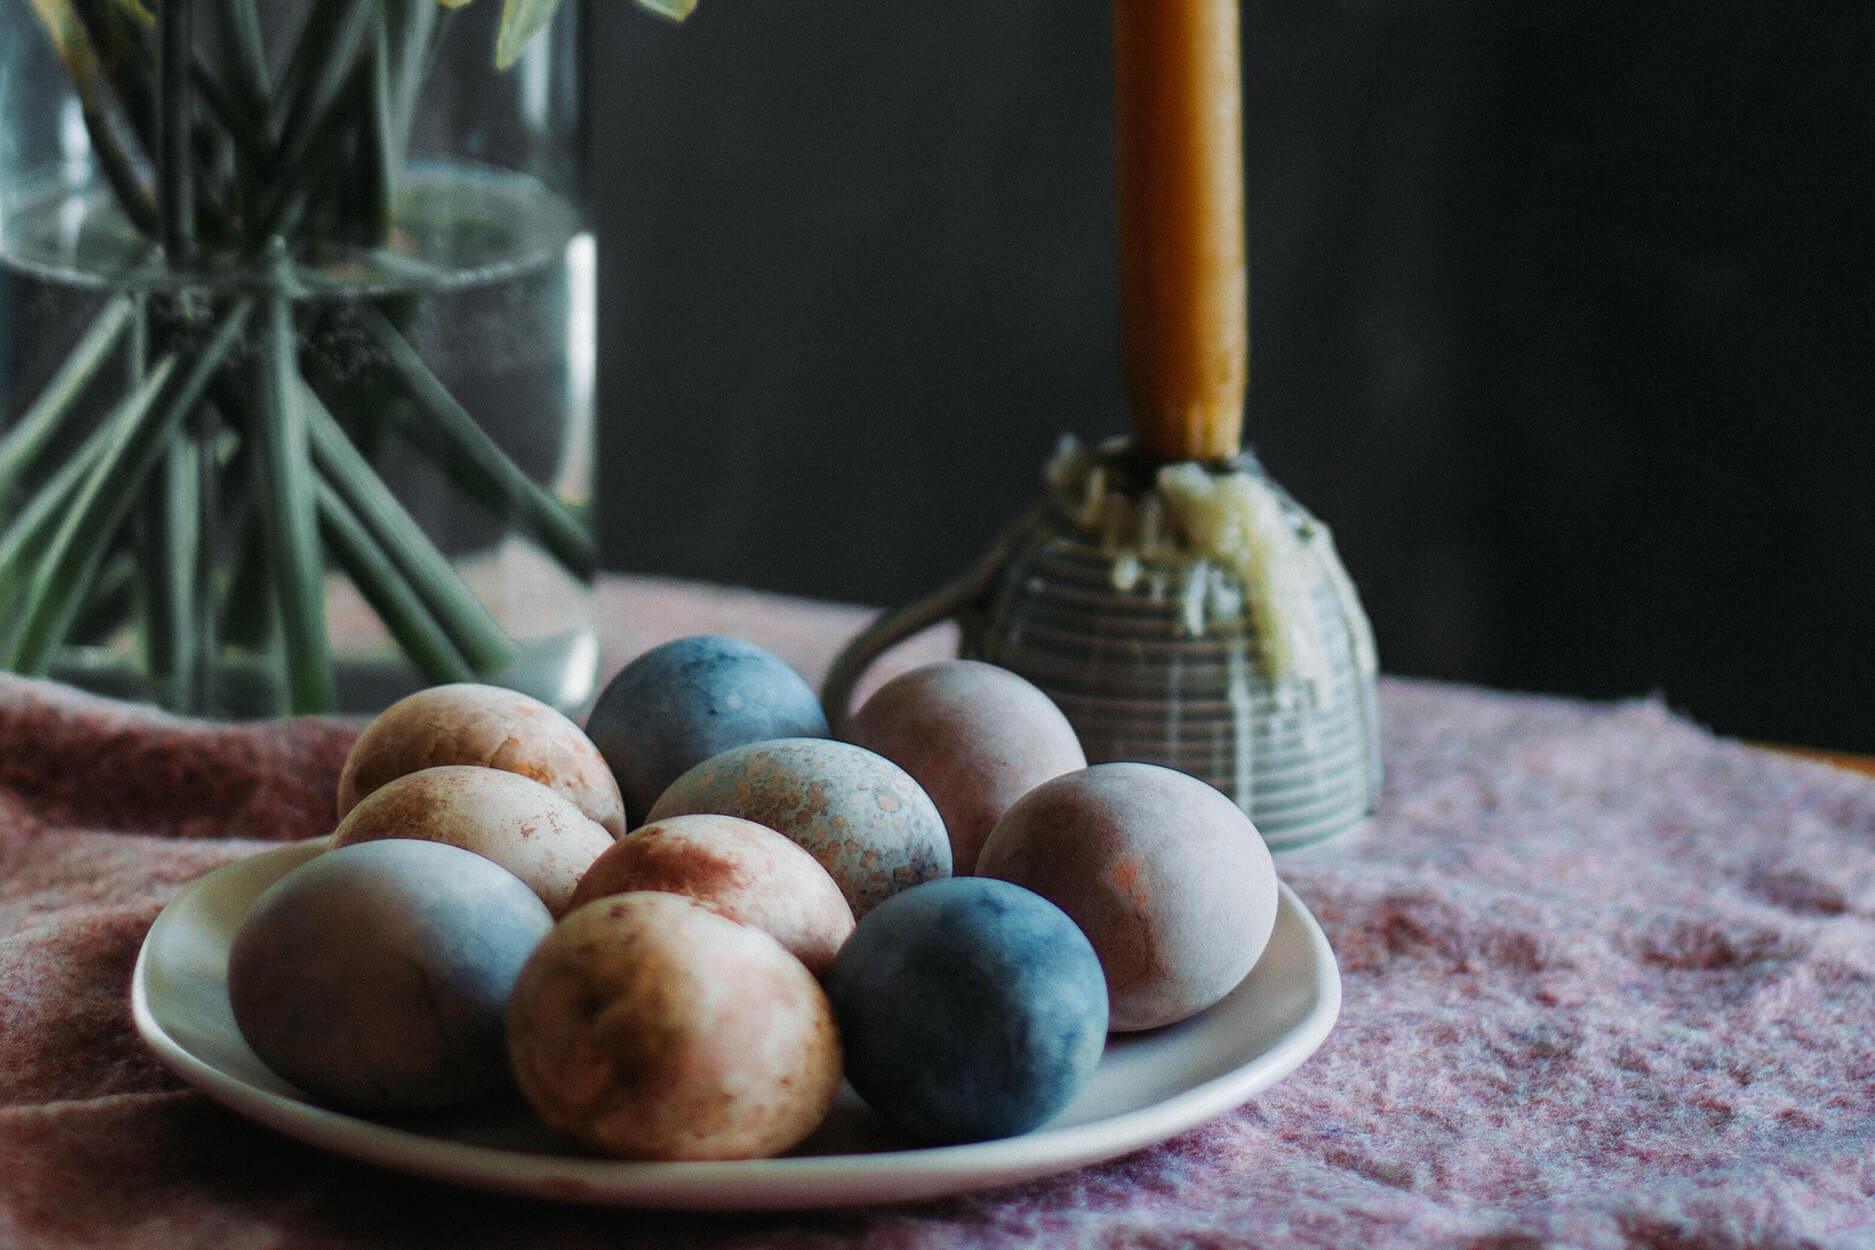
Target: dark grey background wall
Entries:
(1560, 316)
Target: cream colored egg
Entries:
(469, 723)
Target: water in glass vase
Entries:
(489, 277)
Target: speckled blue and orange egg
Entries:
(867, 822)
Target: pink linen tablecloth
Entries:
(1609, 981)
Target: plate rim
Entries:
(787, 1182)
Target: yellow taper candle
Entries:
(1184, 284)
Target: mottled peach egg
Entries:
(649, 1026)
(1167, 877)
(976, 736)
(860, 815)
(533, 831)
(469, 723)
(747, 871)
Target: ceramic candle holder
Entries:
(1162, 642)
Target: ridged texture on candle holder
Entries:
(1138, 684)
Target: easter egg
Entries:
(376, 976)
(649, 1026)
(530, 829)
(469, 723)
(680, 703)
(969, 1009)
(747, 871)
(860, 815)
(977, 738)
(1166, 876)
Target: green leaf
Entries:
(521, 20)
(675, 10)
(137, 12)
(68, 36)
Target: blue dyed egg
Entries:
(680, 703)
(969, 1008)
(377, 976)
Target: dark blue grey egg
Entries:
(681, 703)
(377, 976)
(969, 1009)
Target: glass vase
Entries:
(296, 353)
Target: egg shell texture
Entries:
(530, 829)
(871, 826)
(651, 1027)
(976, 736)
(471, 723)
(747, 871)
(969, 1009)
(376, 976)
(1167, 877)
(682, 702)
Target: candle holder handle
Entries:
(1265, 687)
(959, 598)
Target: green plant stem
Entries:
(326, 56)
(380, 149)
(244, 55)
(470, 627)
(118, 169)
(153, 413)
(28, 533)
(47, 594)
(175, 167)
(41, 422)
(246, 618)
(288, 511)
(202, 669)
(418, 38)
(125, 55)
(250, 141)
(382, 583)
(170, 540)
(452, 437)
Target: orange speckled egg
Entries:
(533, 831)
(470, 723)
(1167, 877)
(649, 1026)
(747, 871)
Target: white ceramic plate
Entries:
(1148, 1086)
